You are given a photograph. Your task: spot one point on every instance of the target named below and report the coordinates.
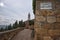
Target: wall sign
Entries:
(46, 5)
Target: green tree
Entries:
(34, 6)
(6, 28)
(31, 22)
(1, 29)
(21, 23)
(9, 27)
(15, 25)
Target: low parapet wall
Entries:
(8, 35)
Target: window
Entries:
(46, 5)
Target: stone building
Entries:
(27, 22)
(47, 20)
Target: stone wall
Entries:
(8, 35)
(47, 21)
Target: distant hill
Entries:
(2, 26)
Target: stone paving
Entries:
(23, 35)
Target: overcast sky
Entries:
(11, 10)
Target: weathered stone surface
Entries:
(47, 38)
(58, 13)
(43, 12)
(55, 32)
(57, 5)
(42, 31)
(58, 19)
(51, 19)
(56, 37)
(48, 24)
(36, 24)
(40, 25)
(57, 25)
(37, 5)
(40, 13)
(37, 11)
(41, 18)
(50, 13)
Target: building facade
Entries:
(47, 20)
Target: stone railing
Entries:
(8, 35)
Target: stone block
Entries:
(57, 25)
(41, 31)
(58, 19)
(51, 19)
(47, 38)
(44, 12)
(58, 13)
(41, 24)
(37, 12)
(54, 32)
(40, 18)
(48, 26)
(50, 13)
(36, 24)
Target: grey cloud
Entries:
(16, 9)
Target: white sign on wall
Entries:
(46, 5)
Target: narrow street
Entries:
(23, 35)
